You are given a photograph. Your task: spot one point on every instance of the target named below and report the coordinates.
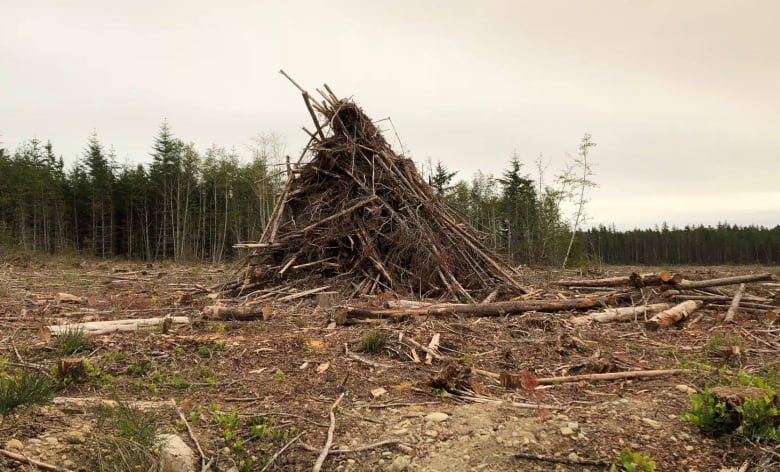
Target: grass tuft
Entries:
(71, 341)
(127, 441)
(26, 388)
(373, 341)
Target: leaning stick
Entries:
(329, 440)
(729, 318)
(26, 460)
(203, 464)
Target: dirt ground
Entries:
(248, 388)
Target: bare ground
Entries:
(247, 388)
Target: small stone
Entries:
(74, 437)
(69, 464)
(399, 464)
(378, 392)
(351, 461)
(573, 457)
(685, 389)
(689, 448)
(652, 423)
(573, 425)
(52, 440)
(35, 441)
(566, 431)
(14, 445)
(436, 417)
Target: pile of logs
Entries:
(358, 218)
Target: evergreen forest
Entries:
(188, 204)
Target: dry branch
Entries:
(22, 459)
(606, 376)
(673, 315)
(329, 441)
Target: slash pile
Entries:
(359, 218)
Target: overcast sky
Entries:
(682, 97)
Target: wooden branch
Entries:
(256, 245)
(619, 314)
(329, 441)
(192, 435)
(729, 318)
(280, 451)
(561, 460)
(26, 460)
(104, 327)
(607, 376)
(687, 284)
(343, 212)
(345, 450)
(345, 314)
(673, 315)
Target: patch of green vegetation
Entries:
(208, 349)
(280, 377)
(205, 375)
(72, 340)
(127, 441)
(373, 341)
(115, 356)
(100, 378)
(177, 381)
(178, 351)
(756, 419)
(630, 461)
(25, 388)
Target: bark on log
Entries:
(227, 312)
(687, 284)
(673, 315)
(104, 327)
(729, 318)
(619, 314)
(636, 280)
(345, 314)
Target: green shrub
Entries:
(25, 388)
(756, 419)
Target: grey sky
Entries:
(682, 97)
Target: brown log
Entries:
(687, 284)
(619, 314)
(636, 280)
(729, 318)
(347, 313)
(226, 312)
(673, 315)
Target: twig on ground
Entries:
(280, 451)
(561, 460)
(203, 463)
(329, 441)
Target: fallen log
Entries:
(619, 314)
(606, 376)
(729, 318)
(346, 314)
(636, 280)
(688, 284)
(673, 315)
(104, 327)
(234, 312)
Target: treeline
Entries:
(184, 205)
(721, 244)
(192, 205)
